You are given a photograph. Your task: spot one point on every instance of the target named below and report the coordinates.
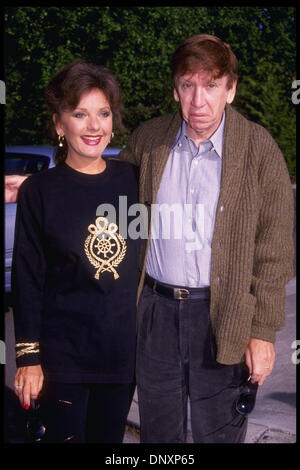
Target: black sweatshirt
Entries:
(75, 276)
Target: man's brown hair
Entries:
(206, 53)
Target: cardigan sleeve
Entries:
(156, 132)
(28, 273)
(130, 153)
(274, 245)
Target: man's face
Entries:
(202, 100)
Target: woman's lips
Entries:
(91, 140)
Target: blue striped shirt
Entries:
(184, 211)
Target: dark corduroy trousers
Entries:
(176, 361)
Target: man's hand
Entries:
(12, 184)
(260, 358)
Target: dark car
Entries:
(21, 160)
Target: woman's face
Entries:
(87, 129)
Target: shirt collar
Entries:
(216, 139)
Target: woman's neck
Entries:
(89, 165)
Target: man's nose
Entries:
(198, 99)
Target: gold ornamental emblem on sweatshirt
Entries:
(104, 247)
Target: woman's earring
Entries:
(112, 135)
(61, 140)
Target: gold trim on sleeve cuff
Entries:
(27, 348)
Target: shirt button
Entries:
(220, 245)
(221, 208)
(180, 144)
(192, 191)
(218, 279)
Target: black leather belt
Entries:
(176, 292)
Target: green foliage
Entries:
(136, 43)
(263, 101)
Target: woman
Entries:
(74, 273)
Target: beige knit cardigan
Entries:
(252, 247)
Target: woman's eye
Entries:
(105, 114)
(186, 85)
(79, 115)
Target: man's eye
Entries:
(186, 85)
(212, 85)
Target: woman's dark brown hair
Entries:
(206, 53)
(66, 88)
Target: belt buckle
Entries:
(183, 293)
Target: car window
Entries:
(21, 163)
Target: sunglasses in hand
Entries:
(34, 428)
(246, 401)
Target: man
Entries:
(209, 306)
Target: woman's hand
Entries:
(28, 384)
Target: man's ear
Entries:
(231, 93)
(175, 94)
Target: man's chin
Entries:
(200, 129)
(201, 123)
